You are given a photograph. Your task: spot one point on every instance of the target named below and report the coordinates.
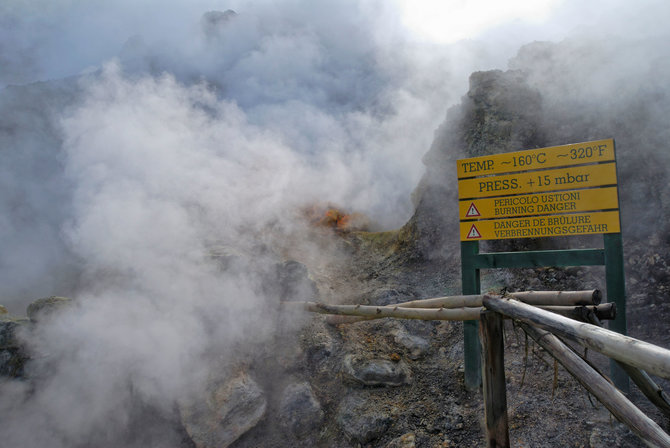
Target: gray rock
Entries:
(226, 412)
(12, 357)
(292, 282)
(318, 343)
(405, 441)
(12, 361)
(299, 411)
(360, 420)
(416, 345)
(9, 328)
(376, 372)
(47, 306)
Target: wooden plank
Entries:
(640, 354)
(543, 298)
(560, 298)
(643, 381)
(605, 311)
(493, 379)
(606, 393)
(379, 312)
(563, 302)
(649, 388)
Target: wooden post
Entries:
(606, 393)
(493, 379)
(642, 380)
(649, 388)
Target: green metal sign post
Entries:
(611, 256)
(562, 190)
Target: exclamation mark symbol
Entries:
(472, 211)
(473, 234)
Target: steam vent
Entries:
(169, 214)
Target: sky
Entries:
(446, 22)
(51, 34)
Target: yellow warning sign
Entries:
(540, 203)
(534, 159)
(539, 181)
(541, 226)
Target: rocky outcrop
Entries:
(416, 346)
(12, 354)
(360, 420)
(376, 372)
(500, 113)
(47, 307)
(299, 411)
(224, 413)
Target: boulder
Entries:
(299, 411)
(292, 282)
(48, 306)
(360, 420)
(415, 345)
(405, 441)
(376, 372)
(12, 357)
(8, 331)
(227, 411)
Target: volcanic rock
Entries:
(293, 282)
(12, 357)
(299, 411)
(42, 308)
(360, 420)
(405, 441)
(376, 372)
(415, 345)
(227, 411)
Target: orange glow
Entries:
(320, 215)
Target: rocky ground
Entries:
(383, 383)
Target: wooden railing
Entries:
(545, 316)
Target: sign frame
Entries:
(610, 256)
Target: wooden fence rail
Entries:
(543, 315)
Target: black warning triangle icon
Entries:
(473, 233)
(472, 211)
